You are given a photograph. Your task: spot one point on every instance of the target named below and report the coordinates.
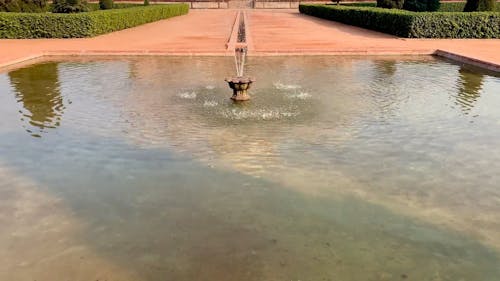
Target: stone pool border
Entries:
(221, 40)
(36, 58)
(468, 60)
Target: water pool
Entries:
(339, 168)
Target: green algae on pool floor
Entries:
(337, 169)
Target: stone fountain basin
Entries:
(240, 85)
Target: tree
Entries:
(70, 6)
(390, 4)
(23, 6)
(106, 4)
(479, 5)
(421, 5)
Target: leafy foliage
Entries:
(24, 6)
(479, 5)
(70, 6)
(47, 25)
(443, 7)
(452, 7)
(421, 5)
(105, 4)
(390, 4)
(411, 24)
(487, 5)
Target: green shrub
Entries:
(146, 2)
(49, 7)
(471, 5)
(23, 6)
(421, 5)
(411, 24)
(486, 5)
(95, 6)
(361, 4)
(106, 4)
(452, 7)
(443, 7)
(390, 4)
(47, 25)
(479, 5)
(70, 6)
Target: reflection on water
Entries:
(386, 68)
(337, 169)
(470, 86)
(37, 88)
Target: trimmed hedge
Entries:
(91, 6)
(421, 5)
(459, 7)
(48, 25)
(480, 5)
(444, 7)
(411, 24)
(23, 6)
(95, 6)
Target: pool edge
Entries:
(32, 59)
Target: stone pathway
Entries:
(289, 32)
(201, 32)
(269, 32)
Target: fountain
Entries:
(240, 84)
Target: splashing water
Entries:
(280, 86)
(300, 95)
(187, 95)
(210, 103)
(260, 114)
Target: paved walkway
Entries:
(199, 32)
(270, 32)
(281, 32)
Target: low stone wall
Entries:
(233, 4)
(208, 5)
(276, 5)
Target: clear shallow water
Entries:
(337, 169)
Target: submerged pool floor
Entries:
(339, 168)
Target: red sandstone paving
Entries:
(289, 32)
(270, 31)
(199, 32)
